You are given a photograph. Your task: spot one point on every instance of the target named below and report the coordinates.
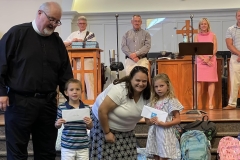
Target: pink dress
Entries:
(206, 73)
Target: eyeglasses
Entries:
(82, 23)
(53, 20)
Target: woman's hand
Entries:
(205, 60)
(109, 137)
(209, 63)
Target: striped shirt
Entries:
(136, 41)
(233, 32)
(74, 134)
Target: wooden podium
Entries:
(180, 74)
(81, 53)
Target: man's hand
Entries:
(77, 40)
(4, 102)
(133, 56)
(80, 40)
(136, 59)
(74, 40)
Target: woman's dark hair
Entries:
(127, 79)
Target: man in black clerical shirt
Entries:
(33, 62)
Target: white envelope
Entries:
(149, 112)
(75, 114)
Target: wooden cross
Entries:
(188, 31)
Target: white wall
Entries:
(164, 37)
(99, 6)
(14, 12)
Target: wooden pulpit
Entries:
(80, 54)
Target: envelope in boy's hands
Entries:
(149, 112)
(75, 114)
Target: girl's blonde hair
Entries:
(170, 92)
(208, 23)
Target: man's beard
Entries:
(47, 32)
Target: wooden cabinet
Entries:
(180, 74)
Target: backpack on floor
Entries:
(195, 146)
(208, 127)
(228, 148)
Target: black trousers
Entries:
(30, 116)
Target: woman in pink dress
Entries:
(206, 64)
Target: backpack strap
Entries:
(204, 118)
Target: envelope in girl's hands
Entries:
(149, 112)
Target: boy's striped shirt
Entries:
(74, 134)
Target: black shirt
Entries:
(32, 63)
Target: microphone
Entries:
(191, 16)
(116, 15)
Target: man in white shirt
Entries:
(79, 36)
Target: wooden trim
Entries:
(81, 53)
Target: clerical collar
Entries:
(36, 29)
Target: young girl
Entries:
(74, 140)
(162, 141)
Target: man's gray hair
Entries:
(46, 6)
(82, 18)
(136, 15)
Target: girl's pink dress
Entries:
(206, 73)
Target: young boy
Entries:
(74, 140)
